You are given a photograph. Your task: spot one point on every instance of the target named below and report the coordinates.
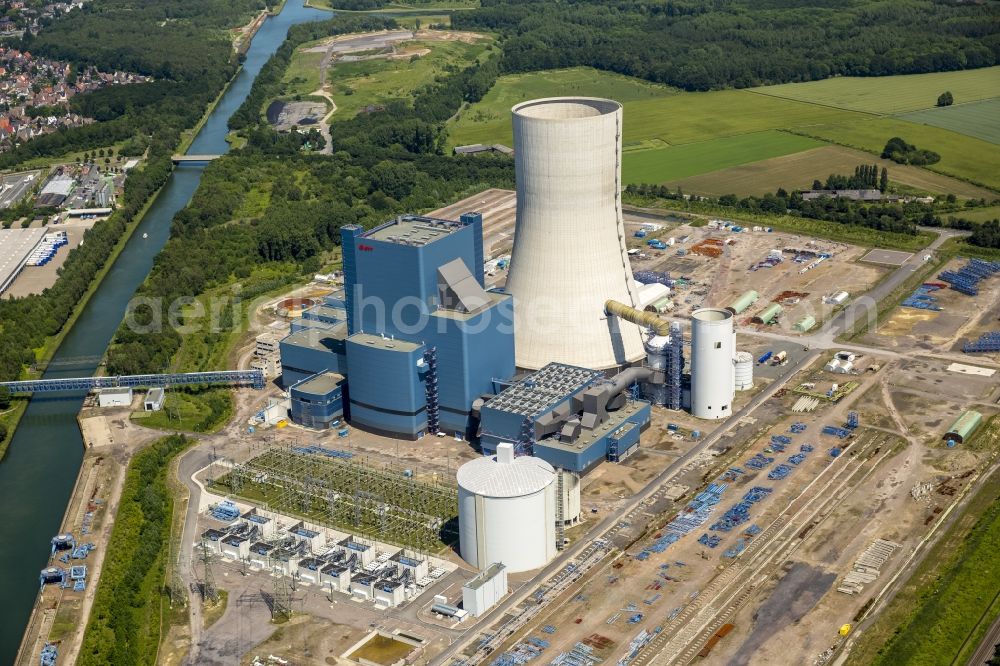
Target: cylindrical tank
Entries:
(656, 351)
(713, 347)
(570, 496)
(743, 366)
(569, 254)
(507, 511)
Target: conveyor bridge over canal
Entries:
(252, 378)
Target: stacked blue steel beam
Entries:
(759, 461)
(966, 279)
(653, 277)
(798, 427)
(694, 515)
(921, 299)
(836, 432)
(739, 513)
(780, 472)
(852, 420)
(987, 342)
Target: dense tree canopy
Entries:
(702, 44)
(146, 116)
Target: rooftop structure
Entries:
(544, 389)
(16, 245)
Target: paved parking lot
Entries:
(887, 257)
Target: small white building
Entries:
(267, 343)
(485, 590)
(154, 400)
(388, 593)
(119, 396)
(365, 553)
(260, 554)
(310, 570)
(337, 576)
(235, 547)
(269, 364)
(315, 539)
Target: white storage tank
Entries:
(743, 367)
(507, 511)
(713, 347)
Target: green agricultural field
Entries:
(961, 156)
(675, 162)
(980, 120)
(489, 120)
(650, 112)
(978, 214)
(892, 94)
(798, 170)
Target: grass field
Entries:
(798, 170)
(980, 120)
(961, 156)
(302, 76)
(651, 112)
(382, 650)
(355, 85)
(979, 214)
(892, 94)
(489, 120)
(674, 162)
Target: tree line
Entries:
(125, 622)
(153, 114)
(699, 45)
(384, 164)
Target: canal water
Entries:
(38, 473)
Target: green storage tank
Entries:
(769, 314)
(805, 323)
(963, 426)
(743, 302)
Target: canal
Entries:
(40, 468)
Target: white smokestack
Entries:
(569, 253)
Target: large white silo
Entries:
(569, 254)
(507, 511)
(713, 348)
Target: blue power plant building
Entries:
(416, 345)
(416, 337)
(573, 418)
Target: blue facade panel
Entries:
(303, 358)
(386, 386)
(475, 220)
(314, 409)
(505, 427)
(471, 352)
(394, 286)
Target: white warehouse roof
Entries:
(503, 475)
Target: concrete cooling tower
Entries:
(569, 253)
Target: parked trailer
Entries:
(763, 359)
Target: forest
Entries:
(124, 626)
(152, 114)
(289, 204)
(705, 45)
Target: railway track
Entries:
(683, 637)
